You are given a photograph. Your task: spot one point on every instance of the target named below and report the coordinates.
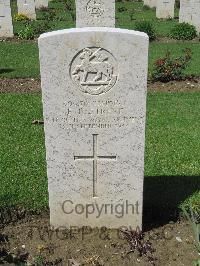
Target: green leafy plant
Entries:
(122, 9)
(49, 15)
(39, 261)
(169, 68)
(183, 31)
(196, 262)
(145, 7)
(33, 30)
(192, 202)
(69, 5)
(27, 33)
(147, 27)
(42, 27)
(195, 225)
(21, 17)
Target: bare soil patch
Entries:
(170, 40)
(30, 85)
(19, 85)
(192, 85)
(31, 240)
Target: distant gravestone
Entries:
(190, 12)
(185, 11)
(95, 13)
(41, 3)
(6, 27)
(27, 7)
(94, 101)
(150, 3)
(165, 9)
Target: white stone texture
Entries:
(95, 13)
(150, 3)
(6, 26)
(190, 12)
(27, 7)
(94, 83)
(41, 3)
(165, 9)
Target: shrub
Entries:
(27, 33)
(183, 31)
(147, 27)
(42, 27)
(169, 68)
(33, 30)
(21, 17)
(50, 15)
(122, 9)
(69, 5)
(145, 7)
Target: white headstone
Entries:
(95, 13)
(41, 3)
(6, 27)
(150, 3)
(165, 9)
(27, 7)
(185, 11)
(94, 83)
(190, 12)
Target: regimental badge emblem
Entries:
(94, 70)
(95, 8)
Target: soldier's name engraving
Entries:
(103, 114)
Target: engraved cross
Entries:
(95, 158)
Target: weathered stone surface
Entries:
(190, 12)
(95, 13)
(150, 3)
(6, 27)
(41, 3)
(27, 7)
(165, 9)
(94, 98)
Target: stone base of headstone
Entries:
(41, 3)
(150, 3)
(94, 102)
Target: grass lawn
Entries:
(172, 144)
(22, 59)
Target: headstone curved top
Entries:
(95, 13)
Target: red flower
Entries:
(160, 62)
